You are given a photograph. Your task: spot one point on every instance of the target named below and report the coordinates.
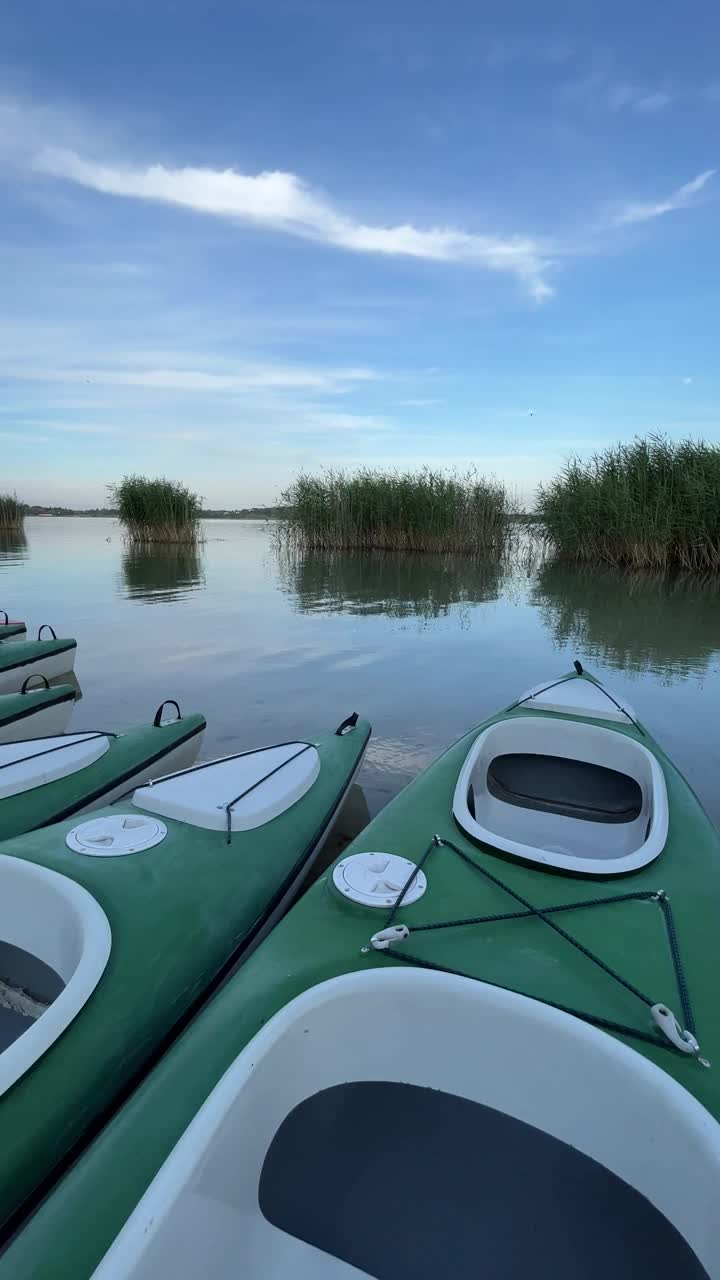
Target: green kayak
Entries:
(509, 972)
(139, 910)
(36, 711)
(44, 780)
(10, 630)
(46, 657)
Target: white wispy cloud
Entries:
(600, 91)
(650, 102)
(640, 211)
(24, 437)
(284, 202)
(420, 403)
(73, 428)
(243, 379)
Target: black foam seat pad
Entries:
(570, 788)
(404, 1181)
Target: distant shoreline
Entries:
(245, 513)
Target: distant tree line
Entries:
(237, 513)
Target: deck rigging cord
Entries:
(535, 693)
(391, 939)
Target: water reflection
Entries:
(632, 621)
(158, 572)
(14, 547)
(397, 586)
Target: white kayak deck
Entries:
(251, 789)
(36, 761)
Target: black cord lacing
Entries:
(73, 741)
(229, 806)
(574, 676)
(543, 914)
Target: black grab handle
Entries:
(169, 702)
(46, 627)
(578, 667)
(347, 724)
(4, 613)
(37, 675)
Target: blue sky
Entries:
(242, 238)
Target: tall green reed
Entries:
(157, 510)
(649, 504)
(12, 512)
(426, 510)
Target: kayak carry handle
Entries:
(46, 627)
(36, 675)
(578, 667)
(347, 725)
(169, 702)
(6, 619)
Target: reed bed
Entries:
(371, 510)
(12, 512)
(650, 504)
(157, 511)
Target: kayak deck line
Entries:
(387, 941)
(536, 693)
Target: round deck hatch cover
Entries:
(112, 837)
(377, 879)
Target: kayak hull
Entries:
(48, 658)
(39, 713)
(183, 914)
(134, 757)
(13, 631)
(326, 935)
(409, 1070)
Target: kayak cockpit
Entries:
(54, 945)
(237, 793)
(563, 793)
(383, 1123)
(37, 761)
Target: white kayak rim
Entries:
(203, 1214)
(566, 793)
(56, 921)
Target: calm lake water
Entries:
(424, 647)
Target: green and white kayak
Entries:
(45, 780)
(22, 658)
(490, 1033)
(10, 630)
(114, 928)
(36, 711)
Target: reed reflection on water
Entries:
(157, 573)
(632, 621)
(390, 584)
(14, 548)
(425, 646)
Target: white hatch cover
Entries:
(377, 879)
(24, 765)
(119, 834)
(258, 786)
(577, 697)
